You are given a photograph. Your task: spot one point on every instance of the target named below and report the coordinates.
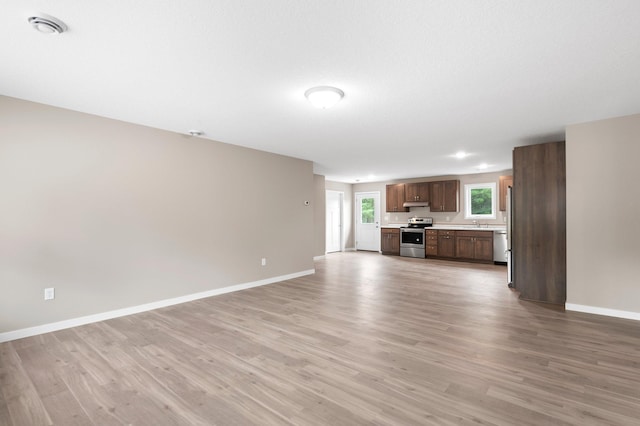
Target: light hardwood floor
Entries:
(367, 340)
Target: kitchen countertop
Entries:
(453, 227)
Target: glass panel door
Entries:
(368, 221)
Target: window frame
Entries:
(467, 200)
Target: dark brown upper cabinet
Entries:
(416, 192)
(395, 198)
(505, 182)
(444, 196)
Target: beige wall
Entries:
(438, 217)
(115, 215)
(603, 210)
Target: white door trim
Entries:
(328, 231)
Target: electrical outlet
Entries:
(264, 261)
(49, 293)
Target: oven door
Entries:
(412, 237)
(412, 242)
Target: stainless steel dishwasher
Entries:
(500, 246)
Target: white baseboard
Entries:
(74, 322)
(602, 311)
(325, 255)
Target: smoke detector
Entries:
(47, 24)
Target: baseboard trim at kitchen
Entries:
(74, 322)
(350, 249)
(602, 311)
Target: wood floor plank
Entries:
(19, 394)
(63, 408)
(5, 419)
(96, 401)
(366, 340)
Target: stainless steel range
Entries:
(412, 241)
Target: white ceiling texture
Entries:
(422, 79)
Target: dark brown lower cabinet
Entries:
(474, 245)
(431, 242)
(390, 241)
(446, 243)
(539, 222)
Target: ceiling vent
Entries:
(47, 24)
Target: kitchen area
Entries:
(524, 228)
(420, 238)
(425, 220)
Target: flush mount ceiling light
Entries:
(47, 24)
(324, 96)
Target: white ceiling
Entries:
(423, 79)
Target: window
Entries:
(367, 210)
(480, 201)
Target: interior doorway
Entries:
(334, 217)
(368, 221)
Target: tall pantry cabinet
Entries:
(539, 222)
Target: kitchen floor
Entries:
(368, 339)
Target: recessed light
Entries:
(483, 166)
(461, 154)
(324, 96)
(47, 24)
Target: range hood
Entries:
(415, 204)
